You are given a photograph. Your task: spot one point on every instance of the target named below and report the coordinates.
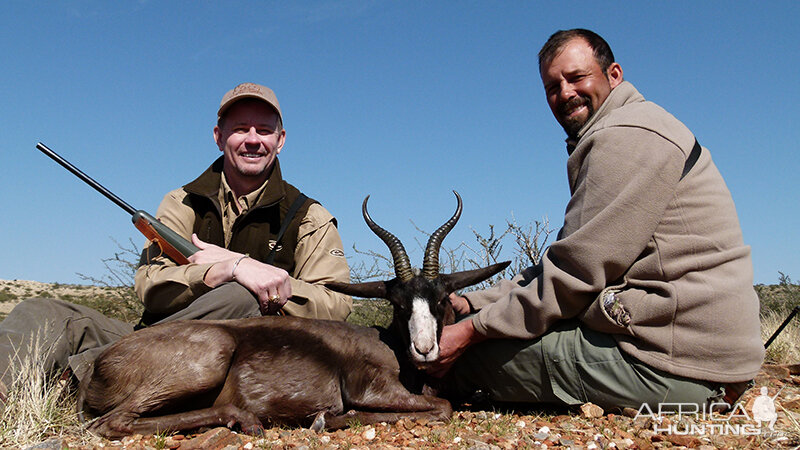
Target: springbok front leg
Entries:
(385, 399)
(415, 407)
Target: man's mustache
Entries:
(573, 103)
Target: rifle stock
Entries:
(170, 242)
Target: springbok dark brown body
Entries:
(280, 370)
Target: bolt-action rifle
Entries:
(171, 243)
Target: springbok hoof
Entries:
(319, 423)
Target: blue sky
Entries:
(404, 101)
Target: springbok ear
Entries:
(455, 281)
(373, 289)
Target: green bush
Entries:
(368, 312)
(121, 305)
(780, 298)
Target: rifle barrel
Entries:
(86, 178)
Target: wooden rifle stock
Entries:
(170, 242)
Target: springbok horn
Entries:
(371, 289)
(430, 265)
(455, 281)
(402, 266)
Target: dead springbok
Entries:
(280, 370)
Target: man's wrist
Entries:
(475, 336)
(236, 264)
(470, 308)
(472, 334)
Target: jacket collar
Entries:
(209, 183)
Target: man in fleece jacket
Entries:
(647, 294)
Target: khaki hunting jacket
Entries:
(656, 261)
(310, 251)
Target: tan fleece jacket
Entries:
(668, 255)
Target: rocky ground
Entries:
(586, 428)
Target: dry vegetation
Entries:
(40, 408)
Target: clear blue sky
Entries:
(404, 101)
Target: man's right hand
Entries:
(454, 341)
(271, 285)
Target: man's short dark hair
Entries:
(602, 51)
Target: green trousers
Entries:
(568, 366)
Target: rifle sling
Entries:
(290, 213)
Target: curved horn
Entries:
(430, 265)
(402, 266)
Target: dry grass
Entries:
(39, 406)
(785, 349)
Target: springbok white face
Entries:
(419, 298)
(423, 332)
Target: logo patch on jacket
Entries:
(272, 243)
(614, 308)
(337, 252)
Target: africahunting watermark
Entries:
(694, 419)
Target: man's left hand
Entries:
(271, 285)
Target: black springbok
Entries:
(272, 370)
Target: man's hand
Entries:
(210, 253)
(269, 284)
(460, 304)
(455, 340)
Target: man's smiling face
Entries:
(575, 84)
(250, 139)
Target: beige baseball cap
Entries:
(249, 90)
